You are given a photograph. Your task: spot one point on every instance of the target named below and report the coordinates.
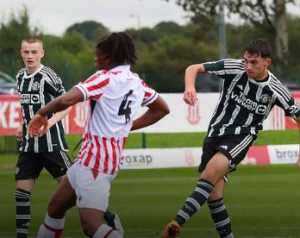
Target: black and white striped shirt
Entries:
(245, 103)
(36, 90)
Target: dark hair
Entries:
(260, 47)
(118, 47)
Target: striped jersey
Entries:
(36, 90)
(245, 103)
(116, 94)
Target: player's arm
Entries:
(191, 73)
(156, 111)
(19, 132)
(56, 118)
(61, 103)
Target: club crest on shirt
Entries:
(35, 86)
(265, 98)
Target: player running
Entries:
(116, 94)
(249, 92)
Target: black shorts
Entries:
(30, 165)
(234, 147)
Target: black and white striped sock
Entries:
(221, 218)
(194, 202)
(23, 213)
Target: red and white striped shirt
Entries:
(117, 94)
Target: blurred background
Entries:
(169, 35)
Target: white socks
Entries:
(52, 228)
(105, 231)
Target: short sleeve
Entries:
(288, 104)
(284, 99)
(53, 82)
(224, 67)
(150, 95)
(93, 87)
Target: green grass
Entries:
(263, 202)
(161, 140)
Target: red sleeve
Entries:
(93, 87)
(150, 94)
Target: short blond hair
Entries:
(33, 39)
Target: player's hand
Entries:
(38, 125)
(19, 133)
(190, 96)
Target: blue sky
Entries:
(54, 16)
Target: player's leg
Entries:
(200, 193)
(219, 212)
(63, 199)
(27, 170)
(94, 224)
(93, 193)
(235, 148)
(113, 220)
(215, 170)
(57, 163)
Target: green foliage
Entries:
(91, 30)
(261, 200)
(71, 56)
(164, 51)
(11, 35)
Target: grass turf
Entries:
(263, 202)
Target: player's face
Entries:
(101, 61)
(256, 66)
(32, 54)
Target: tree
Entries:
(91, 30)
(11, 35)
(257, 12)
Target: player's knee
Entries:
(55, 210)
(88, 228)
(215, 195)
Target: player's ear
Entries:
(43, 52)
(268, 61)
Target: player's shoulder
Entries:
(21, 72)
(98, 76)
(50, 74)
(231, 62)
(276, 85)
(48, 70)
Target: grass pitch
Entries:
(263, 201)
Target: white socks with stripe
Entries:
(52, 228)
(105, 231)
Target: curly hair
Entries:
(118, 47)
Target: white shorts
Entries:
(91, 192)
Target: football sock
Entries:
(194, 202)
(220, 217)
(52, 228)
(106, 231)
(23, 215)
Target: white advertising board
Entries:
(191, 157)
(185, 118)
(161, 158)
(283, 154)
